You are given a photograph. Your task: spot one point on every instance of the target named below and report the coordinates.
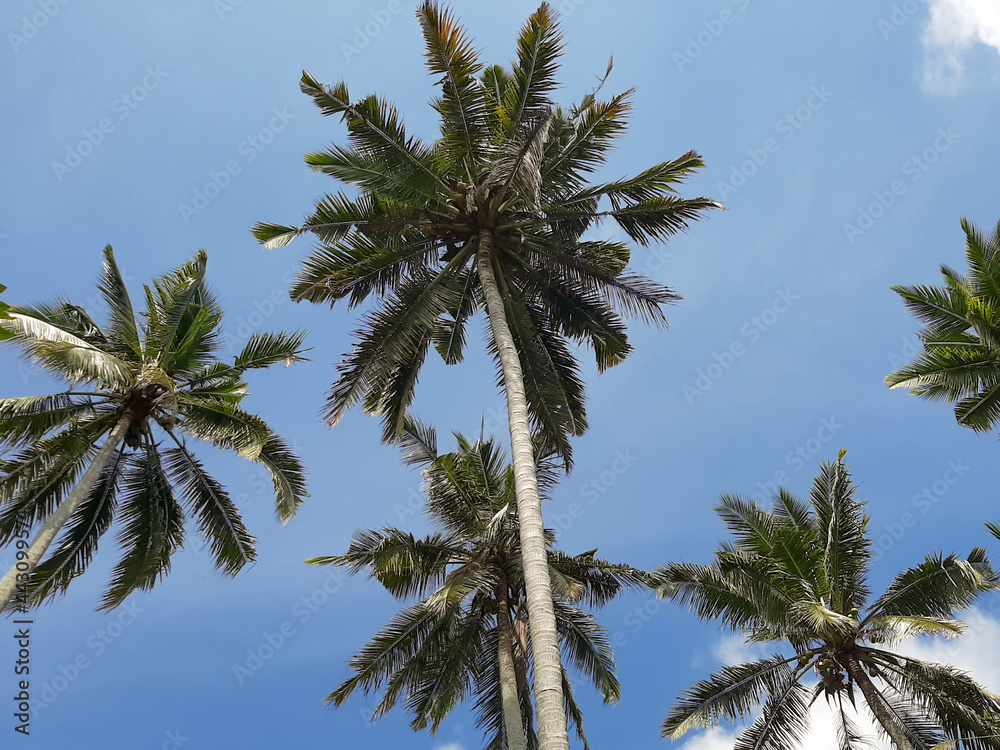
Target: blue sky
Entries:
(846, 145)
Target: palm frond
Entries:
(731, 693)
(78, 541)
(219, 521)
(462, 104)
(153, 527)
(937, 587)
(65, 354)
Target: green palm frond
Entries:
(224, 424)
(375, 131)
(533, 74)
(937, 587)
(732, 693)
(36, 480)
(404, 565)
(122, 326)
(79, 540)
(218, 518)
(587, 647)
(783, 721)
(389, 651)
(288, 476)
(152, 530)
(65, 353)
(462, 104)
(27, 419)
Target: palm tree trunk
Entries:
(552, 732)
(54, 523)
(875, 702)
(512, 723)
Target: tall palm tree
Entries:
(961, 335)
(134, 385)
(467, 635)
(797, 575)
(491, 217)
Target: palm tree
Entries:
(467, 635)
(798, 575)
(961, 335)
(125, 380)
(491, 217)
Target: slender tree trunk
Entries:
(552, 731)
(876, 704)
(54, 523)
(512, 723)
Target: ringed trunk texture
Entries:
(875, 703)
(54, 523)
(512, 724)
(549, 703)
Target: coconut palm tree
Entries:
(961, 335)
(135, 385)
(467, 636)
(797, 575)
(491, 218)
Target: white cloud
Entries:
(732, 649)
(955, 27)
(450, 746)
(975, 652)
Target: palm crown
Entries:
(129, 380)
(507, 179)
(471, 615)
(961, 335)
(798, 574)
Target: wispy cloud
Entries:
(956, 26)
